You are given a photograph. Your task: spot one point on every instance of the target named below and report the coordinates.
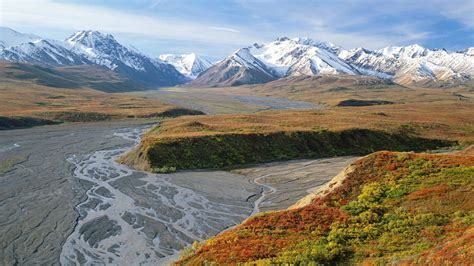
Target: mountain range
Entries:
(89, 48)
(285, 58)
(258, 63)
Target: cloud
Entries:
(224, 29)
(214, 26)
(462, 11)
(67, 16)
(368, 23)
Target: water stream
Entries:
(138, 218)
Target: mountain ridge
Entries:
(306, 57)
(257, 63)
(238, 69)
(89, 47)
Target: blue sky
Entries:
(215, 28)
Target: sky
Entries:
(215, 28)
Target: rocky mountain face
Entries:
(90, 48)
(190, 65)
(285, 58)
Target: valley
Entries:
(113, 204)
(91, 206)
(286, 152)
(88, 208)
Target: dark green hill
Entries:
(73, 77)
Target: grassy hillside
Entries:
(227, 140)
(391, 208)
(25, 103)
(72, 77)
(236, 149)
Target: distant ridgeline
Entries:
(259, 63)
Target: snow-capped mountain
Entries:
(89, 48)
(190, 65)
(469, 51)
(104, 50)
(258, 63)
(27, 48)
(413, 63)
(297, 57)
(286, 57)
(241, 67)
(11, 37)
(279, 59)
(44, 52)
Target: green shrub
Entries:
(219, 151)
(163, 170)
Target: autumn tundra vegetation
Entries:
(403, 208)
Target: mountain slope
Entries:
(190, 65)
(300, 57)
(28, 48)
(70, 77)
(259, 63)
(282, 58)
(88, 48)
(43, 52)
(385, 208)
(10, 37)
(104, 50)
(239, 68)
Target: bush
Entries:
(163, 170)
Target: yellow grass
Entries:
(23, 98)
(433, 120)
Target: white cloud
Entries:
(346, 23)
(462, 11)
(224, 29)
(65, 16)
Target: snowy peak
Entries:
(101, 49)
(301, 56)
(281, 58)
(323, 45)
(92, 39)
(90, 48)
(241, 67)
(411, 51)
(289, 57)
(28, 48)
(258, 63)
(413, 63)
(190, 65)
(105, 50)
(10, 37)
(45, 52)
(469, 51)
(244, 58)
